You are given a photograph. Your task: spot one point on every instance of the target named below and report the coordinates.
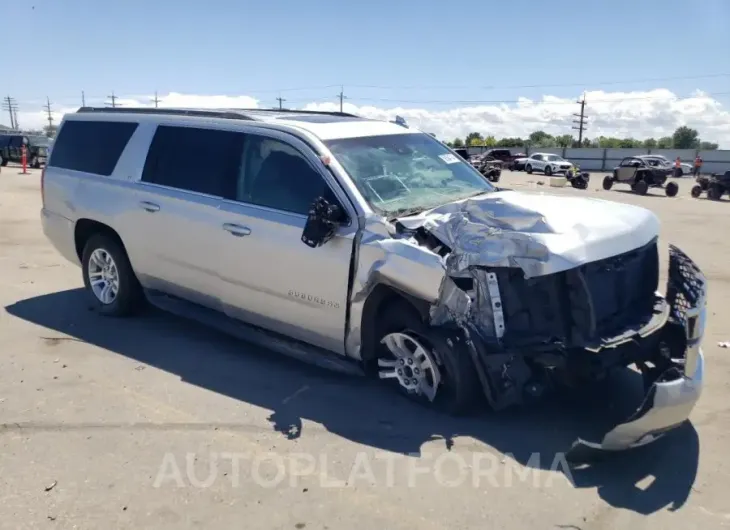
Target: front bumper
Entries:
(673, 395)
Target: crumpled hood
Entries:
(540, 233)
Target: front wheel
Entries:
(427, 369)
(528, 169)
(671, 189)
(109, 279)
(607, 183)
(714, 193)
(548, 171)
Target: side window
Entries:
(91, 146)
(278, 176)
(194, 159)
(16, 141)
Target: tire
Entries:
(34, 163)
(548, 171)
(714, 193)
(129, 297)
(696, 191)
(579, 183)
(459, 389)
(528, 169)
(671, 189)
(641, 187)
(607, 182)
(3, 161)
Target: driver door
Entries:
(271, 279)
(627, 169)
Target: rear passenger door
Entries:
(176, 221)
(272, 279)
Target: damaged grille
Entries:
(577, 306)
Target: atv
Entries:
(716, 185)
(641, 173)
(578, 179)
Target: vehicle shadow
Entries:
(648, 194)
(364, 412)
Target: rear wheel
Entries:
(641, 187)
(696, 191)
(422, 366)
(671, 189)
(109, 279)
(607, 183)
(714, 193)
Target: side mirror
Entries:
(322, 222)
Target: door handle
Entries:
(150, 206)
(236, 230)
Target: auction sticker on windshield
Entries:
(449, 158)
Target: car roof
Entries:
(324, 125)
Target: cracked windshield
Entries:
(405, 174)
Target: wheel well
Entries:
(379, 298)
(85, 228)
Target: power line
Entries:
(514, 101)
(50, 115)
(11, 106)
(580, 121)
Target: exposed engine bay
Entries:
(533, 320)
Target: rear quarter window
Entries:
(91, 146)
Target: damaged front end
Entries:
(675, 382)
(545, 292)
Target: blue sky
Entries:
(427, 54)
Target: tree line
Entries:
(683, 138)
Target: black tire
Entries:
(607, 182)
(714, 193)
(579, 183)
(548, 170)
(696, 191)
(671, 189)
(4, 162)
(641, 187)
(460, 388)
(130, 298)
(528, 169)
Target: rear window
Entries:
(91, 146)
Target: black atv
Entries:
(716, 185)
(642, 173)
(490, 167)
(578, 179)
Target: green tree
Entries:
(510, 142)
(665, 142)
(458, 142)
(474, 138)
(650, 143)
(566, 140)
(708, 146)
(541, 139)
(627, 143)
(686, 138)
(490, 141)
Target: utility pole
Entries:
(581, 121)
(50, 115)
(156, 100)
(83, 99)
(114, 100)
(11, 106)
(342, 97)
(280, 100)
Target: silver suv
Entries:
(372, 248)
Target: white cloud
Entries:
(639, 115)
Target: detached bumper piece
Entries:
(674, 393)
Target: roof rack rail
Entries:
(295, 111)
(202, 113)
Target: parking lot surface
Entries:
(156, 422)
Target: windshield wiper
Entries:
(404, 212)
